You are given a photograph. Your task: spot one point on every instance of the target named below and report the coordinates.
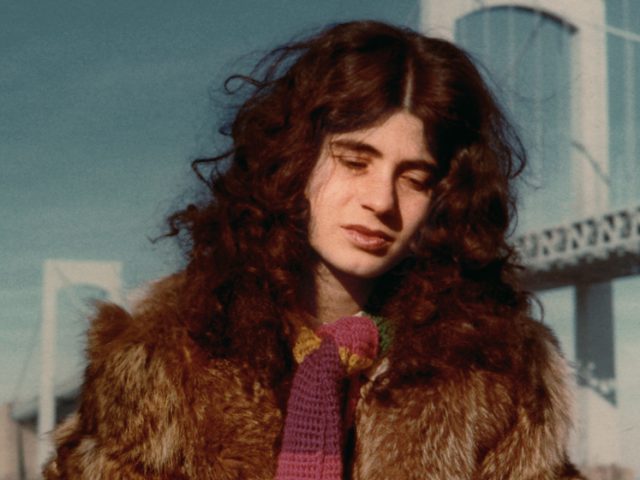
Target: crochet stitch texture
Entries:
(312, 442)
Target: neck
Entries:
(336, 295)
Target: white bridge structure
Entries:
(595, 249)
(56, 397)
(59, 274)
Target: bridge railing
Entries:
(595, 248)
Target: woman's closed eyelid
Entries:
(417, 183)
(414, 177)
(352, 161)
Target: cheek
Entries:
(319, 179)
(416, 215)
(319, 208)
(323, 191)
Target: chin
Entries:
(358, 264)
(367, 271)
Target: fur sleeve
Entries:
(537, 408)
(126, 426)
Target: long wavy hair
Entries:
(246, 240)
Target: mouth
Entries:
(366, 238)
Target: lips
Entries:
(366, 238)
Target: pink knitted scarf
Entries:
(312, 443)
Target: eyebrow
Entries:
(365, 148)
(357, 146)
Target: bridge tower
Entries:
(59, 274)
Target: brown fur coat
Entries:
(155, 406)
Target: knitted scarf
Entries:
(312, 442)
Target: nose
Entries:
(379, 195)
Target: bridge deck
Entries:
(594, 249)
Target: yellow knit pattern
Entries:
(354, 362)
(306, 343)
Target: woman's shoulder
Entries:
(493, 339)
(530, 401)
(129, 396)
(149, 353)
(154, 322)
(524, 352)
(526, 378)
(533, 345)
(543, 377)
(513, 360)
(152, 396)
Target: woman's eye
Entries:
(416, 183)
(352, 163)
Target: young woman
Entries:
(349, 307)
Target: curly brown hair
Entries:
(247, 242)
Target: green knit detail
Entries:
(385, 332)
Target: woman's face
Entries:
(368, 195)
